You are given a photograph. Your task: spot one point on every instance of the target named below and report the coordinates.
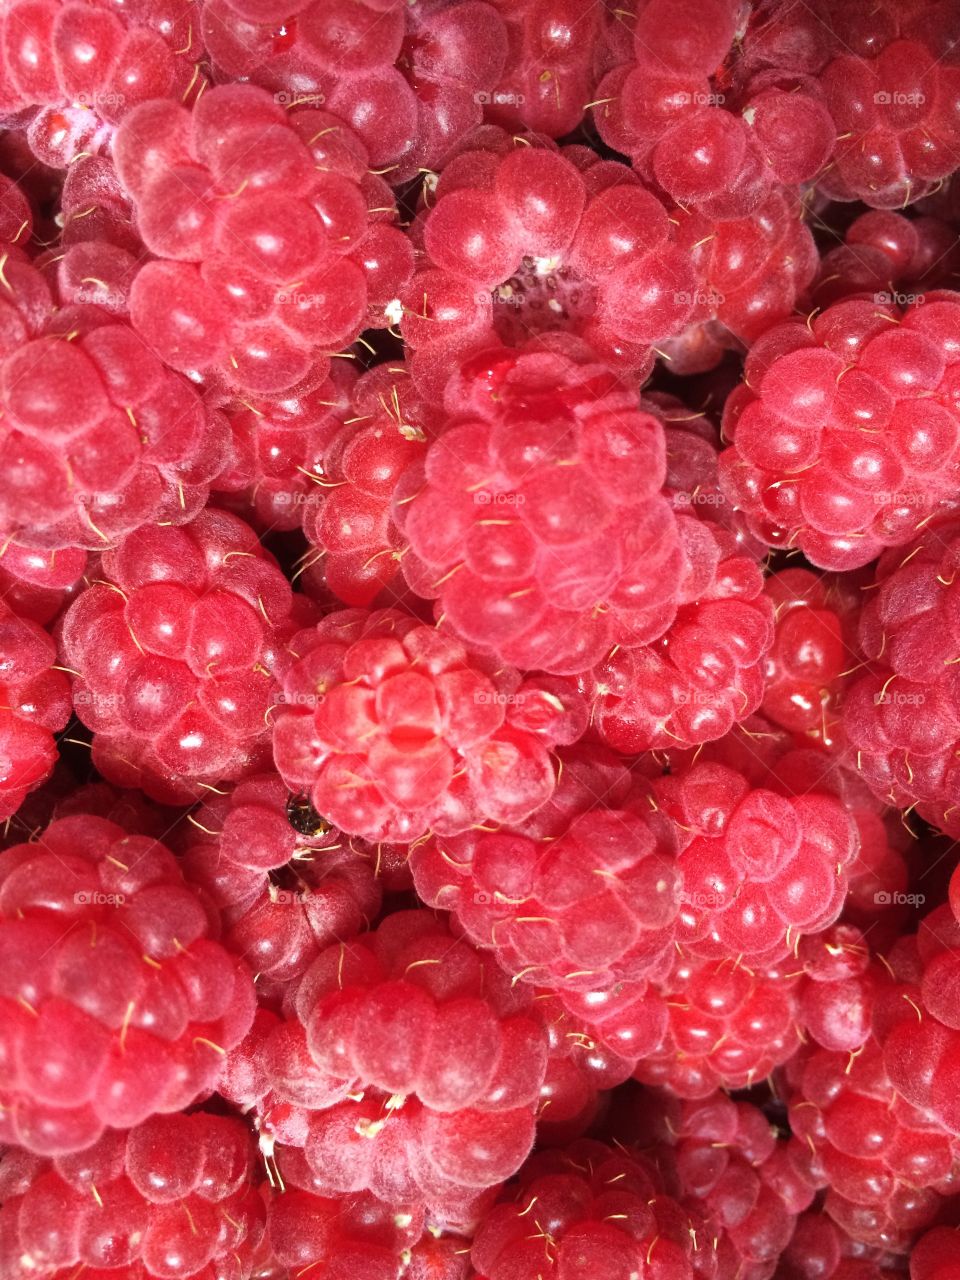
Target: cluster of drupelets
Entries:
(479, 640)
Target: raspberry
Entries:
(805, 670)
(366, 468)
(176, 648)
(285, 895)
(173, 1196)
(87, 65)
(410, 81)
(125, 1013)
(581, 910)
(896, 259)
(726, 1026)
(97, 437)
(881, 1158)
(888, 78)
(393, 730)
(538, 526)
(900, 716)
(260, 220)
(34, 705)
(746, 1180)
(845, 432)
(549, 75)
(276, 470)
(589, 252)
(592, 1210)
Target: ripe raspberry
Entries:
(743, 1177)
(86, 66)
(901, 716)
(95, 206)
(888, 77)
(125, 1013)
(845, 434)
(177, 648)
(814, 640)
(592, 1210)
(369, 465)
(268, 230)
(285, 895)
(882, 1159)
(97, 438)
(348, 1237)
(276, 472)
(393, 730)
(580, 904)
(890, 257)
(726, 1026)
(519, 242)
(549, 74)
(538, 526)
(34, 705)
(172, 1197)
(409, 80)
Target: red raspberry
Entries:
(285, 895)
(276, 471)
(549, 76)
(116, 1003)
(934, 1256)
(538, 526)
(806, 669)
(34, 705)
(893, 258)
(746, 1180)
(97, 437)
(37, 583)
(393, 730)
(845, 432)
(882, 1159)
(177, 647)
(888, 75)
(580, 910)
(351, 1236)
(526, 240)
(173, 1196)
(370, 465)
(597, 1211)
(901, 716)
(727, 1026)
(86, 66)
(268, 230)
(410, 80)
